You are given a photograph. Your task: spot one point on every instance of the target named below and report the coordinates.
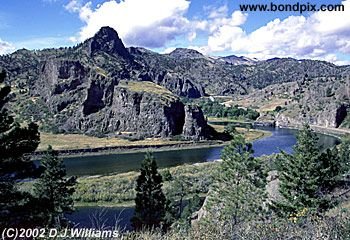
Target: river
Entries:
(281, 139)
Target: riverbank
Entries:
(330, 131)
(225, 119)
(335, 132)
(249, 134)
(125, 149)
(119, 190)
(71, 145)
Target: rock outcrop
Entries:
(134, 108)
(97, 88)
(107, 40)
(53, 85)
(185, 72)
(318, 102)
(85, 100)
(195, 124)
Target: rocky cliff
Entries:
(318, 101)
(97, 88)
(185, 72)
(322, 101)
(69, 88)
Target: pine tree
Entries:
(54, 190)
(16, 143)
(239, 192)
(150, 200)
(330, 170)
(299, 175)
(344, 156)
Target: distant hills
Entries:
(234, 60)
(71, 88)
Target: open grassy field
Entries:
(249, 134)
(261, 105)
(225, 119)
(78, 141)
(150, 87)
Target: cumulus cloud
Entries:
(6, 47)
(73, 6)
(319, 36)
(219, 12)
(149, 23)
(159, 23)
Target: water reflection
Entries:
(281, 139)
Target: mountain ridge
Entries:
(63, 78)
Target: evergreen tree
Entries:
(150, 200)
(54, 190)
(176, 204)
(193, 205)
(344, 156)
(16, 143)
(239, 192)
(299, 175)
(330, 170)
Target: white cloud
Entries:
(168, 50)
(192, 36)
(202, 49)
(159, 23)
(219, 12)
(320, 36)
(6, 47)
(149, 23)
(73, 6)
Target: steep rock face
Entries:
(81, 81)
(185, 72)
(195, 125)
(165, 71)
(101, 105)
(57, 76)
(133, 113)
(320, 101)
(330, 116)
(107, 40)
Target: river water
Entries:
(281, 139)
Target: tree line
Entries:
(215, 109)
(45, 204)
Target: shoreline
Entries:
(125, 149)
(68, 153)
(332, 132)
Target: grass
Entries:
(253, 134)
(263, 105)
(78, 141)
(225, 119)
(249, 134)
(150, 87)
(119, 190)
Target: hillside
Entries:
(319, 101)
(84, 88)
(93, 89)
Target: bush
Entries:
(215, 109)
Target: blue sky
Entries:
(211, 27)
